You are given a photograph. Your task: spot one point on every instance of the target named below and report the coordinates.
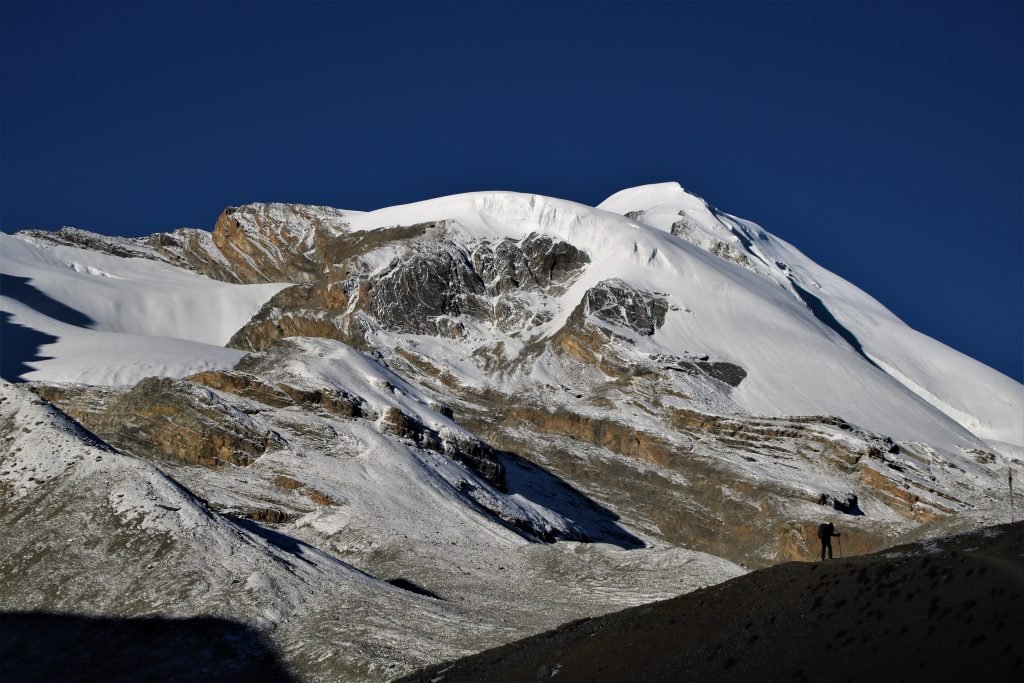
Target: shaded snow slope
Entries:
(83, 316)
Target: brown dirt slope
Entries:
(941, 610)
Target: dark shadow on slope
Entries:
(946, 610)
(597, 523)
(290, 545)
(19, 289)
(413, 587)
(822, 313)
(39, 646)
(19, 345)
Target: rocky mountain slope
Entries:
(393, 560)
(516, 409)
(946, 609)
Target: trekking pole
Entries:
(1009, 474)
(840, 547)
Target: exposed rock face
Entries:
(275, 242)
(730, 253)
(162, 418)
(280, 395)
(424, 292)
(617, 303)
(310, 310)
(705, 483)
(473, 453)
(684, 226)
(603, 329)
(250, 244)
(537, 263)
(195, 250)
(425, 289)
(688, 229)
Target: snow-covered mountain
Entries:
(982, 400)
(521, 409)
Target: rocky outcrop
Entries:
(619, 304)
(535, 263)
(723, 371)
(609, 313)
(259, 377)
(606, 324)
(425, 291)
(275, 242)
(427, 288)
(195, 250)
(728, 252)
(249, 244)
(124, 247)
(688, 229)
(695, 487)
(280, 395)
(167, 419)
(473, 453)
(684, 226)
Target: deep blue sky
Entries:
(884, 140)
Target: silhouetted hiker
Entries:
(825, 533)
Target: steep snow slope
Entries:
(102, 319)
(738, 311)
(983, 400)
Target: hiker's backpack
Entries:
(822, 530)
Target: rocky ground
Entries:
(350, 553)
(946, 609)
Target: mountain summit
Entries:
(489, 408)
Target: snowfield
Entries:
(986, 402)
(116, 320)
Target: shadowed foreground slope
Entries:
(37, 646)
(938, 610)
